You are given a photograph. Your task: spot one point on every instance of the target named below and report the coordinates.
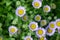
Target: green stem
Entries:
(57, 38)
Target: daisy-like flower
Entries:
(25, 18)
(40, 32)
(28, 38)
(57, 23)
(1, 38)
(49, 31)
(52, 25)
(37, 3)
(38, 18)
(33, 26)
(20, 11)
(43, 22)
(42, 38)
(12, 29)
(46, 8)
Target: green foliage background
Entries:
(8, 17)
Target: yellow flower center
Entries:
(49, 30)
(58, 23)
(40, 32)
(12, 30)
(0, 38)
(36, 4)
(28, 39)
(33, 26)
(25, 17)
(37, 18)
(42, 38)
(43, 22)
(52, 25)
(46, 9)
(21, 11)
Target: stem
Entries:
(57, 38)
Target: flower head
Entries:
(42, 38)
(40, 32)
(20, 11)
(37, 3)
(43, 22)
(25, 18)
(12, 29)
(46, 8)
(37, 17)
(33, 26)
(52, 25)
(49, 31)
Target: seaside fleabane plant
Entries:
(40, 32)
(38, 18)
(37, 4)
(43, 22)
(46, 8)
(28, 38)
(12, 29)
(20, 11)
(49, 31)
(52, 25)
(33, 26)
(57, 23)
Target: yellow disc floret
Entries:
(37, 18)
(21, 11)
(36, 4)
(28, 39)
(12, 30)
(42, 38)
(52, 25)
(25, 17)
(49, 30)
(0, 38)
(40, 32)
(33, 26)
(58, 23)
(46, 9)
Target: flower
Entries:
(12, 29)
(57, 23)
(38, 18)
(40, 32)
(33, 26)
(1, 38)
(20, 11)
(46, 8)
(53, 5)
(49, 31)
(36, 4)
(25, 18)
(43, 22)
(52, 25)
(42, 38)
(28, 38)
